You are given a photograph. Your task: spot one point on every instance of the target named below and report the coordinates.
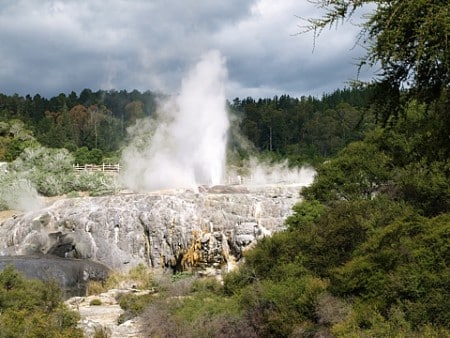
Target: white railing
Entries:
(106, 168)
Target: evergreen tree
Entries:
(408, 38)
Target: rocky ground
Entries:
(105, 316)
(5, 214)
(97, 317)
(170, 229)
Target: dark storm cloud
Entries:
(49, 47)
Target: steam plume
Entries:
(19, 194)
(186, 145)
(260, 173)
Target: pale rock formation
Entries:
(105, 316)
(169, 229)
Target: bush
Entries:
(274, 308)
(133, 305)
(305, 213)
(30, 308)
(426, 186)
(206, 313)
(358, 172)
(50, 173)
(102, 332)
(95, 302)
(96, 183)
(329, 241)
(210, 284)
(403, 265)
(48, 169)
(84, 156)
(277, 257)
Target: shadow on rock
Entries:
(72, 275)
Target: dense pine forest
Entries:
(92, 125)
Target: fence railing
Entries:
(106, 168)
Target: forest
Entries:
(367, 251)
(92, 125)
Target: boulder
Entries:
(71, 274)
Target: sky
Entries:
(51, 47)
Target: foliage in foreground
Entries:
(358, 269)
(365, 268)
(192, 307)
(30, 308)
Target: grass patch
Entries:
(139, 277)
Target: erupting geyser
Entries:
(203, 120)
(185, 146)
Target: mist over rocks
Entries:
(177, 229)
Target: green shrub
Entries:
(84, 156)
(275, 307)
(143, 276)
(140, 276)
(358, 172)
(210, 284)
(405, 265)
(181, 275)
(49, 172)
(133, 305)
(95, 302)
(95, 182)
(235, 280)
(30, 308)
(102, 332)
(271, 254)
(426, 186)
(305, 213)
(330, 240)
(205, 314)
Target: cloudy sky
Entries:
(49, 47)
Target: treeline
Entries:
(306, 128)
(91, 120)
(93, 125)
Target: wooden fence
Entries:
(106, 168)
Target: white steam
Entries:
(186, 145)
(19, 194)
(259, 173)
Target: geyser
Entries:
(185, 145)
